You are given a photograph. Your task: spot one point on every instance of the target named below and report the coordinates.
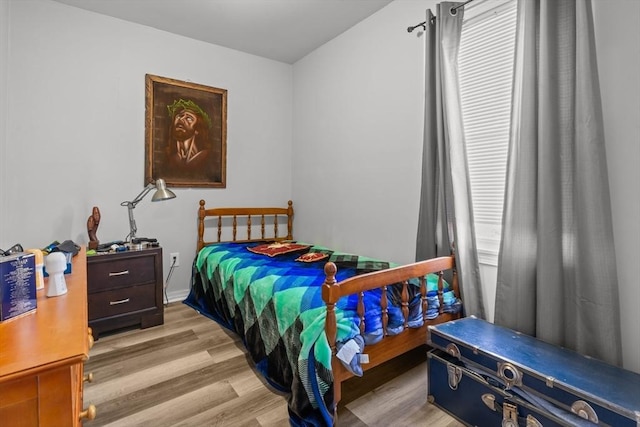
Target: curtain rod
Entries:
(452, 11)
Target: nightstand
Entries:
(125, 290)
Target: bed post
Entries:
(454, 279)
(290, 220)
(330, 295)
(201, 215)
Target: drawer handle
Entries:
(89, 413)
(119, 273)
(122, 301)
(88, 378)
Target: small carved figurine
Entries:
(92, 227)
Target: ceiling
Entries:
(282, 30)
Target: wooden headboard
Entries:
(268, 222)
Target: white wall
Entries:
(357, 150)
(75, 129)
(357, 136)
(617, 26)
(4, 102)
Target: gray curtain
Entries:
(557, 269)
(446, 217)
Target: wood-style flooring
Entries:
(192, 372)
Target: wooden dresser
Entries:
(42, 356)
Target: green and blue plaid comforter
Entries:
(275, 305)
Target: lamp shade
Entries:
(162, 192)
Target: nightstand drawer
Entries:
(120, 301)
(120, 273)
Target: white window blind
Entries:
(486, 69)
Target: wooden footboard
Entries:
(391, 345)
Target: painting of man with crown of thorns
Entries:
(186, 133)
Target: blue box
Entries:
(551, 378)
(17, 285)
(475, 400)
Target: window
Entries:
(486, 59)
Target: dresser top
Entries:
(56, 333)
(131, 253)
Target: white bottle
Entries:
(56, 264)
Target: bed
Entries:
(312, 317)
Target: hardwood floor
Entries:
(192, 372)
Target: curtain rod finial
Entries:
(422, 24)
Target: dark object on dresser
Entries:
(125, 290)
(92, 227)
(487, 365)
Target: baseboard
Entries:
(175, 296)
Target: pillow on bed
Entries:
(312, 257)
(276, 248)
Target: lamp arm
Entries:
(132, 204)
(140, 196)
(132, 222)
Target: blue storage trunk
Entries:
(476, 400)
(557, 381)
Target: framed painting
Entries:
(185, 133)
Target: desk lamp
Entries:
(162, 193)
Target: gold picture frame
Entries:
(185, 133)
